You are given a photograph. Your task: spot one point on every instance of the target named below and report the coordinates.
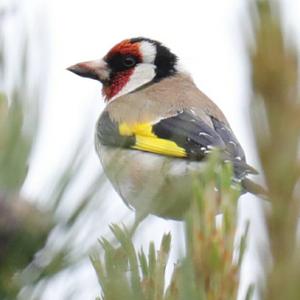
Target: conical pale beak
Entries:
(96, 69)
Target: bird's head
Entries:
(129, 65)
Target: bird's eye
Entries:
(129, 61)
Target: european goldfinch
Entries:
(157, 128)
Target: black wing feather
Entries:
(232, 144)
(188, 131)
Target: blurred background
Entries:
(59, 196)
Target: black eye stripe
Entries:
(121, 62)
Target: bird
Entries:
(158, 128)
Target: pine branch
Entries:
(28, 260)
(275, 117)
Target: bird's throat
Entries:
(118, 82)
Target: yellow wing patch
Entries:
(143, 129)
(146, 140)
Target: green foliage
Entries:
(23, 230)
(126, 274)
(23, 227)
(27, 259)
(14, 145)
(206, 271)
(275, 113)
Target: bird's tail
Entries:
(254, 188)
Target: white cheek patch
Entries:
(148, 51)
(180, 68)
(142, 74)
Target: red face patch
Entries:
(118, 82)
(125, 48)
(120, 77)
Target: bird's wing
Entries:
(183, 135)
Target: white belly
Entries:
(151, 183)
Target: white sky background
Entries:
(206, 35)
